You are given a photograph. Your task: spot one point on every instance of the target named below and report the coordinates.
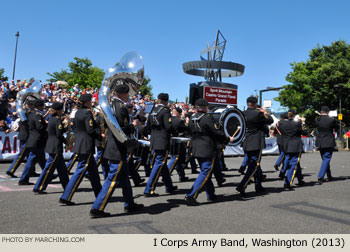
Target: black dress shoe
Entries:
(301, 183)
(195, 172)
(22, 182)
(35, 174)
(287, 187)
(276, 167)
(281, 175)
(140, 182)
(66, 202)
(151, 194)
(221, 182)
(39, 191)
(320, 181)
(133, 207)
(241, 191)
(11, 174)
(259, 189)
(190, 201)
(212, 198)
(330, 178)
(263, 178)
(99, 214)
(171, 189)
(241, 170)
(224, 169)
(184, 179)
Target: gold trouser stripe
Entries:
(72, 163)
(80, 178)
(282, 159)
(205, 180)
(98, 162)
(111, 187)
(173, 166)
(153, 159)
(17, 162)
(138, 165)
(256, 168)
(130, 155)
(159, 170)
(295, 169)
(48, 171)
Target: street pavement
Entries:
(312, 208)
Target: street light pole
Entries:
(266, 90)
(14, 63)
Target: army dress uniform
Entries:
(161, 128)
(84, 146)
(293, 147)
(205, 135)
(23, 137)
(177, 162)
(116, 153)
(54, 147)
(100, 160)
(36, 143)
(253, 144)
(325, 142)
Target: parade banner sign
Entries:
(218, 95)
(10, 146)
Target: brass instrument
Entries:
(129, 71)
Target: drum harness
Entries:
(195, 119)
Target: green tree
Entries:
(146, 88)
(2, 76)
(321, 80)
(80, 72)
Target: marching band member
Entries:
(116, 153)
(325, 142)
(23, 137)
(178, 162)
(253, 143)
(293, 147)
(54, 147)
(84, 146)
(36, 142)
(160, 125)
(205, 135)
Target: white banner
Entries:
(271, 147)
(10, 146)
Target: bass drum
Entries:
(228, 120)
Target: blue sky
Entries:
(265, 36)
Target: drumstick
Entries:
(238, 128)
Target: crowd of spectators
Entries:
(53, 92)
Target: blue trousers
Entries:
(86, 163)
(19, 158)
(135, 176)
(326, 154)
(293, 167)
(254, 158)
(245, 161)
(204, 178)
(101, 160)
(71, 162)
(177, 163)
(118, 174)
(36, 155)
(280, 159)
(54, 162)
(217, 171)
(159, 167)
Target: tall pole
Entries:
(340, 122)
(14, 63)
